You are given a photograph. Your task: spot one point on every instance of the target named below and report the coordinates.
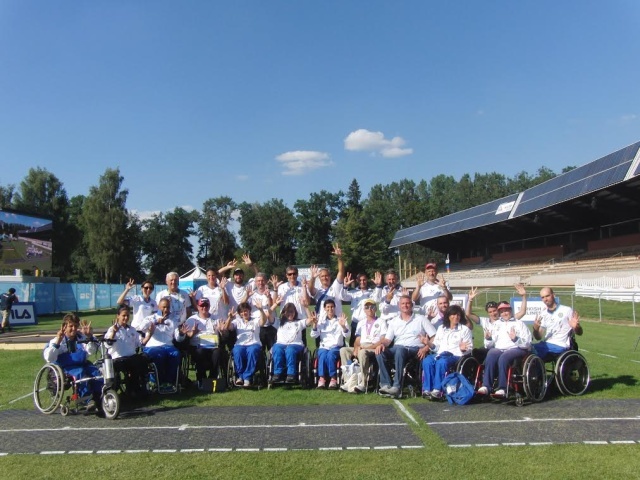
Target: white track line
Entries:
(404, 410)
(205, 427)
(534, 420)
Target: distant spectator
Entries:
(6, 302)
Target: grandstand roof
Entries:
(578, 200)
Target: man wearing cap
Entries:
(7, 300)
(179, 300)
(237, 290)
(429, 287)
(203, 332)
(369, 331)
(555, 326)
(508, 340)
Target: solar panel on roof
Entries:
(479, 216)
(594, 176)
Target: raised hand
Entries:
(336, 250)
(247, 259)
(420, 280)
(442, 282)
(85, 327)
(377, 278)
(473, 293)
(520, 289)
(512, 334)
(131, 283)
(342, 320)
(347, 278)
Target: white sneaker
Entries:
(384, 389)
(500, 393)
(436, 394)
(394, 391)
(483, 391)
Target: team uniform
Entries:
(141, 309)
(388, 310)
(447, 353)
(429, 292)
(203, 347)
(247, 348)
(331, 335)
(557, 334)
(126, 358)
(334, 292)
(357, 298)
(369, 333)
(293, 294)
(288, 347)
(160, 348)
(180, 302)
(217, 308)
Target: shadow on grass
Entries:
(607, 383)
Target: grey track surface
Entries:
(209, 428)
(562, 421)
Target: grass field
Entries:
(612, 378)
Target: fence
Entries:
(598, 308)
(50, 298)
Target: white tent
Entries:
(193, 279)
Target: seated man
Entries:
(124, 352)
(331, 330)
(203, 335)
(555, 326)
(69, 350)
(369, 331)
(509, 340)
(410, 334)
(160, 331)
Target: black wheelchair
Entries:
(569, 372)
(260, 376)
(51, 383)
(411, 380)
(306, 371)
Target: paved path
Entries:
(159, 429)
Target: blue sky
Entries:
(278, 99)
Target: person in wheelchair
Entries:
(410, 334)
(124, 351)
(289, 343)
(70, 349)
(509, 340)
(248, 347)
(331, 330)
(160, 331)
(555, 327)
(368, 334)
(452, 341)
(486, 323)
(202, 334)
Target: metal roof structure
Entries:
(599, 194)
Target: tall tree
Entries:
(216, 242)
(6, 195)
(267, 233)
(316, 220)
(354, 195)
(42, 193)
(104, 220)
(165, 242)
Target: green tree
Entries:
(267, 233)
(82, 268)
(104, 223)
(165, 243)
(217, 243)
(316, 220)
(6, 195)
(42, 193)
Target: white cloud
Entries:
(363, 140)
(302, 161)
(242, 178)
(629, 117)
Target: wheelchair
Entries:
(570, 373)
(526, 378)
(315, 376)
(51, 383)
(260, 376)
(305, 371)
(469, 367)
(411, 380)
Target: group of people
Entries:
(229, 316)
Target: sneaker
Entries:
(394, 392)
(239, 382)
(291, 379)
(436, 394)
(360, 389)
(246, 383)
(483, 391)
(333, 384)
(500, 393)
(322, 382)
(91, 406)
(384, 389)
(426, 395)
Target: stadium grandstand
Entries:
(580, 224)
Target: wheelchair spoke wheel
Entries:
(111, 404)
(48, 388)
(572, 373)
(534, 378)
(469, 367)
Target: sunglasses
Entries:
(147, 288)
(372, 307)
(491, 305)
(289, 274)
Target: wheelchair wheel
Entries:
(48, 388)
(534, 378)
(469, 368)
(572, 373)
(231, 374)
(306, 370)
(111, 404)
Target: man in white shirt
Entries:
(555, 326)
(429, 286)
(179, 300)
(388, 295)
(410, 334)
